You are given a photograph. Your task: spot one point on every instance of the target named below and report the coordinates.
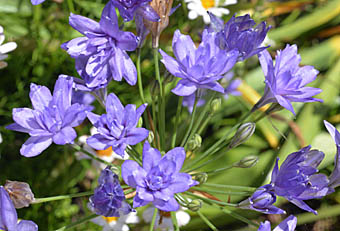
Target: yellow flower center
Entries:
(110, 219)
(208, 3)
(106, 152)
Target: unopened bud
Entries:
(195, 142)
(215, 105)
(244, 132)
(151, 137)
(195, 205)
(20, 193)
(246, 162)
(140, 122)
(201, 177)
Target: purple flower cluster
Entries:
(117, 128)
(198, 68)
(159, 178)
(51, 120)
(108, 198)
(9, 218)
(285, 83)
(101, 54)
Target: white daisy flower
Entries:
(5, 48)
(117, 223)
(182, 217)
(200, 7)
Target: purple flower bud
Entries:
(262, 201)
(20, 193)
(108, 198)
(159, 178)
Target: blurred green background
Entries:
(314, 25)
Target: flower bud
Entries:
(215, 105)
(140, 122)
(20, 193)
(201, 177)
(246, 162)
(195, 142)
(244, 132)
(151, 137)
(195, 205)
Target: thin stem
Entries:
(134, 155)
(139, 76)
(232, 187)
(161, 119)
(239, 217)
(210, 200)
(61, 197)
(206, 220)
(98, 99)
(184, 141)
(83, 220)
(71, 6)
(179, 109)
(205, 123)
(174, 221)
(156, 133)
(220, 192)
(215, 147)
(80, 149)
(153, 221)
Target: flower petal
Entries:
(65, 136)
(35, 145)
(25, 225)
(151, 157)
(133, 174)
(176, 155)
(168, 206)
(8, 213)
(184, 88)
(40, 96)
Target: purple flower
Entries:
(287, 224)
(334, 178)
(262, 201)
(296, 180)
(285, 83)
(9, 217)
(37, 2)
(239, 33)
(159, 178)
(108, 198)
(51, 120)
(82, 97)
(198, 68)
(101, 54)
(189, 101)
(117, 128)
(129, 8)
(232, 85)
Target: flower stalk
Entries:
(61, 197)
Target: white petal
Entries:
(7, 47)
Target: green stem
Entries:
(210, 200)
(156, 138)
(232, 187)
(220, 169)
(134, 155)
(206, 220)
(215, 147)
(329, 211)
(98, 99)
(205, 123)
(179, 108)
(61, 197)
(139, 76)
(221, 192)
(161, 108)
(184, 141)
(80, 149)
(153, 221)
(202, 115)
(174, 221)
(239, 217)
(71, 6)
(83, 220)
